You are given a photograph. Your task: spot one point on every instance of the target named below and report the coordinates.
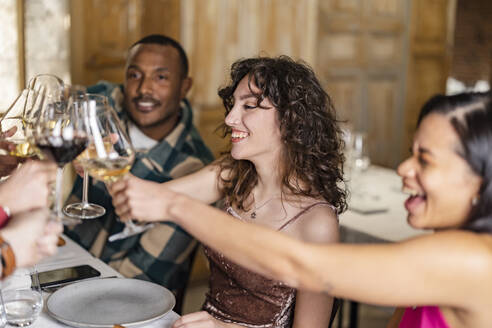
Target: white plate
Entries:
(105, 302)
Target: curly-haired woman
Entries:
(443, 279)
(284, 172)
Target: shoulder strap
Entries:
(304, 211)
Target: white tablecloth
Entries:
(376, 189)
(68, 255)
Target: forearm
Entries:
(385, 274)
(200, 185)
(257, 248)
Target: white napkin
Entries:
(367, 203)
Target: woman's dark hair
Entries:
(312, 163)
(470, 115)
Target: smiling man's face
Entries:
(154, 88)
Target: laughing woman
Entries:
(284, 172)
(444, 279)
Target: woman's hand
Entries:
(31, 236)
(143, 200)
(28, 187)
(201, 320)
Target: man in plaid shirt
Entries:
(158, 119)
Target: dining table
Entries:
(376, 214)
(69, 255)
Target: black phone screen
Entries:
(65, 275)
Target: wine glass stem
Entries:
(58, 193)
(85, 189)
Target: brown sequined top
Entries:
(240, 296)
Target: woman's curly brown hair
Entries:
(312, 158)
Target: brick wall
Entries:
(472, 53)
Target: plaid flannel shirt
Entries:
(161, 254)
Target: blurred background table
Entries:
(376, 214)
(378, 190)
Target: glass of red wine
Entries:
(60, 134)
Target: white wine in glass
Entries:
(16, 127)
(84, 209)
(109, 155)
(107, 170)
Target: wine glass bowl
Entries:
(61, 135)
(110, 154)
(58, 137)
(360, 152)
(16, 127)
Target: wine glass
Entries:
(359, 163)
(360, 152)
(17, 122)
(84, 209)
(110, 154)
(61, 136)
(15, 126)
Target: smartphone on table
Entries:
(63, 276)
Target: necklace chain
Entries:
(253, 214)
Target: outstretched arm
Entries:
(135, 198)
(423, 270)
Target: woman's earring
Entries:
(474, 201)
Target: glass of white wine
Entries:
(16, 123)
(15, 127)
(110, 154)
(85, 210)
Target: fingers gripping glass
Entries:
(110, 154)
(85, 210)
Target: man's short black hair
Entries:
(166, 41)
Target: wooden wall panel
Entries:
(112, 26)
(429, 59)
(102, 31)
(162, 17)
(362, 49)
(345, 92)
(217, 33)
(383, 93)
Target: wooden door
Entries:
(102, 31)
(429, 59)
(380, 60)
(362, 62)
